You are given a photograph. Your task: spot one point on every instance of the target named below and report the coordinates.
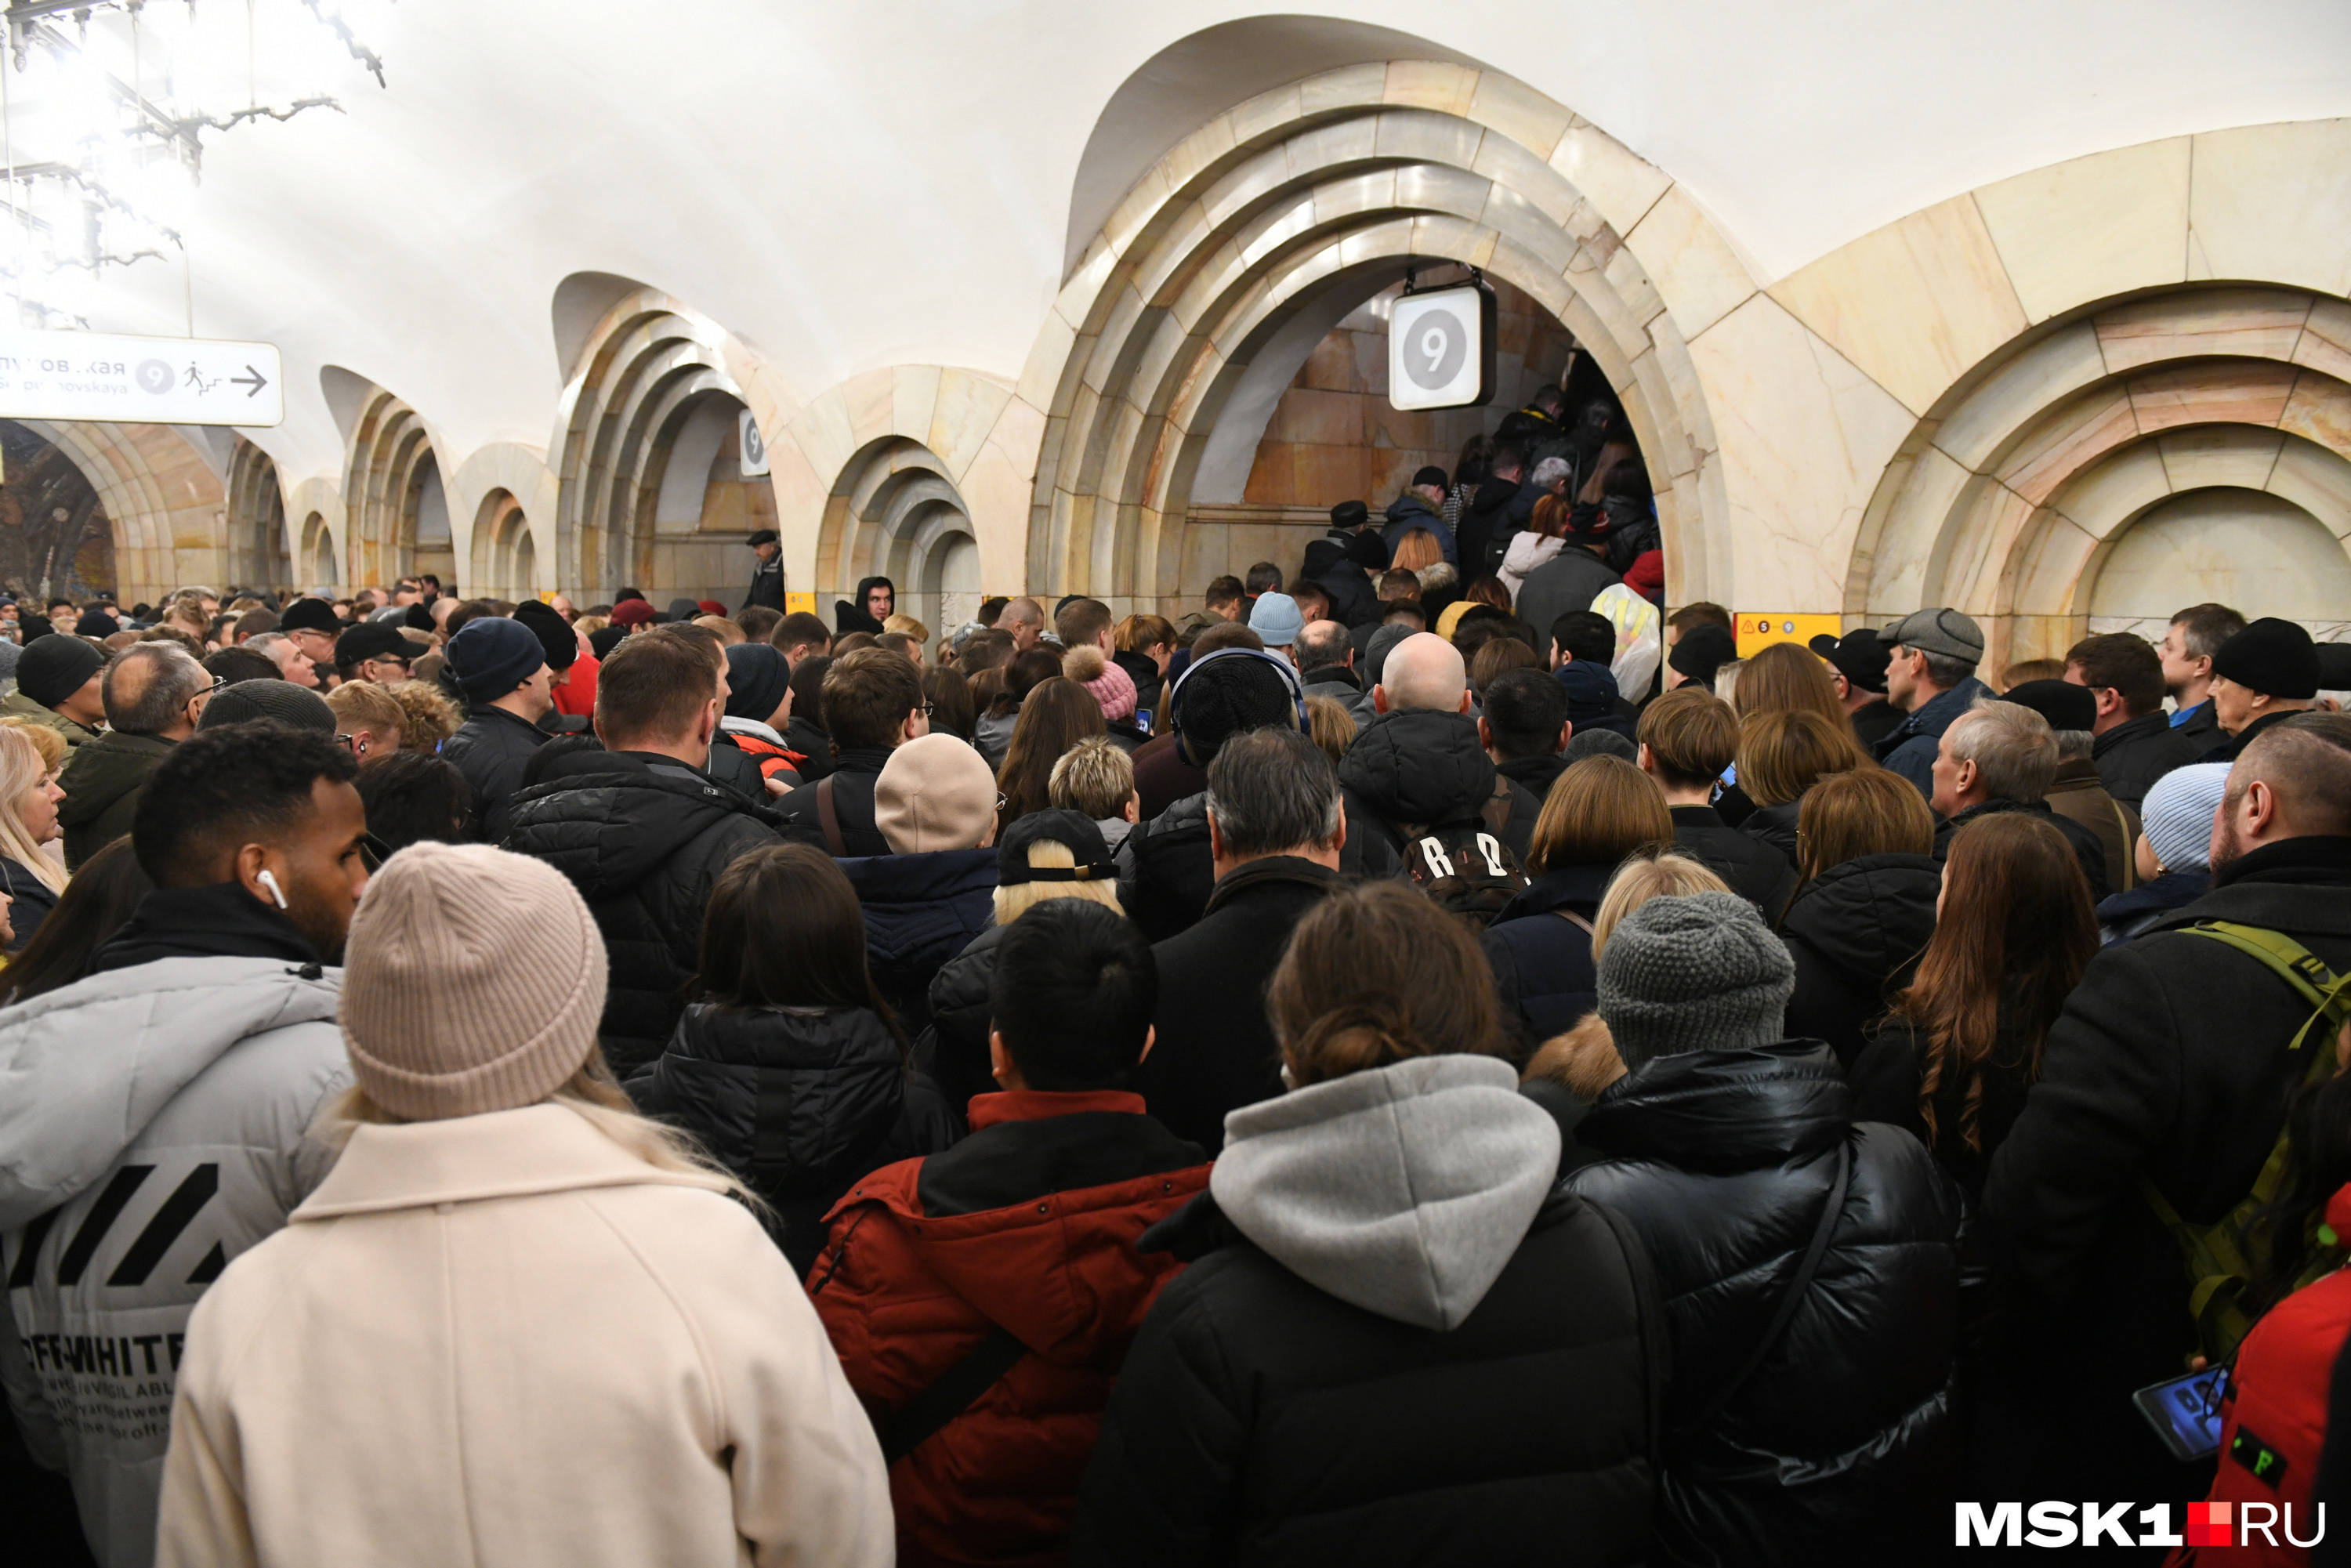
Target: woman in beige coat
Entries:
(516, 1323)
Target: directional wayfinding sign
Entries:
(1441, 348)
(140, 380)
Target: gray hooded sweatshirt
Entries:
(153, 1125)
(1404, 1190)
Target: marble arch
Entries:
(1339, 181)
(389, 462)
(163, 495)
(505, 557)
(2015, 488)
(636, 377)
(895, 513)
(255, 542)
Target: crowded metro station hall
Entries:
(1515, 784)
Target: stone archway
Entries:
(392, 492)
(505, 557)
(650, 491)
(895, 513)
(2017, 489)
(164, 496)
(1328, 187)
(256, 543)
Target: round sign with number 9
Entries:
(1438, 347)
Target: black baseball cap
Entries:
(1858, 656)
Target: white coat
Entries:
(1526, 553)
(506, 1340)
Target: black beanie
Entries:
(604, 638)
(2273, 657)
(1224, 697)
(309, 613)
(1703, 648)
(280, 700)
(555, 634)
(757, 676)
(419, 619)
(53, 668)
(2065, 705)
(490, 656)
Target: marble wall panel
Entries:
(2092, 227)
(1916, 305)
(2252, 323)
(2316, 480)
(1619, 183)
(2213, 392)
(2273, 202)
(2042, 375)
(1697, 276)
(2240, 546)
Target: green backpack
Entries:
(2223, 1257)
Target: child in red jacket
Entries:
(982, 1300)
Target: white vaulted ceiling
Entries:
(859, 185)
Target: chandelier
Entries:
(104, 105)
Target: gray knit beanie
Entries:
(1695, 972)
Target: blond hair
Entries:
(48, 742)
(1332, 726)
(363, 705)
(1012, 903)
(1646, 877)
(23, 767)
(1096, 777)
(596, 1096)
(432, 717)
(909, 626)
(726, 630)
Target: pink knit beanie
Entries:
(473, 983)
(1113, 687)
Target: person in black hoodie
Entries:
(1687, 738)
(1601, 812)
(1809, 1263)
(1865, 911)
(1499, 510)
(873, 703)
(2167, 1074)
(1276, 836)
(642, 831)
(1394, 1341)
(788, 1066)
(1419, 764)
(2014, 931)
(1525, 728)
(875, 599)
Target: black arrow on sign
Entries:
(253, 376)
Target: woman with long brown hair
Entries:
(1056, 715)
(2014, 931)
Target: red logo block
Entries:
(2207, 1524)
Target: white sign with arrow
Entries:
(139, 380)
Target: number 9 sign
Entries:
(1441, 349)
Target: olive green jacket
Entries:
(103, 781)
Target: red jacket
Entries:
(2277, 1401)
(1028, 1224)
(576, 694)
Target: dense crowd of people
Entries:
(1429, 1058)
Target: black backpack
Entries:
(1465, 866)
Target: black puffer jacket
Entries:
(644, 838)
(1856, 932)
(1756, 869)
(490, 749)
(1165, 874)
(1542, 960)
(954, 1049)
(1776, 826)
(1425, 769)
(1841, 1448)
(797, 1101)
(920, 912)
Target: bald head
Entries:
(1024, 618)
(1423, 671)
(2292, 782)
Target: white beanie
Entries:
(2178, 815)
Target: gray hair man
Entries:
(2001, 756)
(154, 693)
(1276, 831)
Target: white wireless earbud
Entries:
(268, 879)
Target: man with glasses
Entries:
(374, 652)
(154, 693)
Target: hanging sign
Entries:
(754, 446)
(139, 380)
(1441, 349)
